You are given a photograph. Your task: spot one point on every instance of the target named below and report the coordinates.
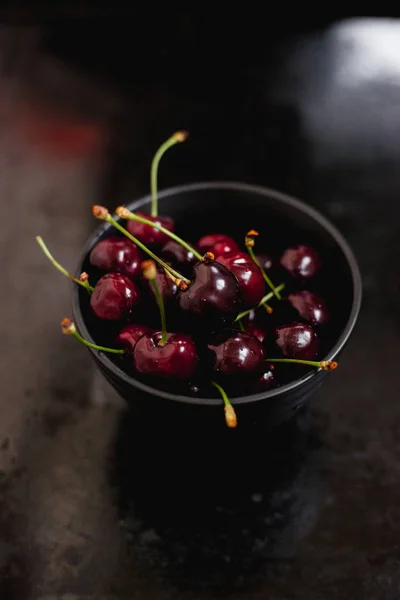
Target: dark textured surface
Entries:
(77, 516)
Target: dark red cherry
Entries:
(265, 261)
(223, 247)
(311, 308)
(236, 353)
(266, 381)
(301, 261)
(177, 359)
(149, 235)
(166, 286)
(129, 335)
(114, 296)
(217, 243)
(213, 294)
(117, 254)
(251, 281)
(258, 332)
(253, 324)
(179, 257)
(297, 340)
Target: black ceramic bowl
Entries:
(234, 208)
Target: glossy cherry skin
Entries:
(251, 281)
(302, 262)
(234, 353)
(179, 257)
(118, 255)
(213, 294)
(310, 306)
(166, 286)
(177, 359)
(265, 261)
(266, 381)
(223, 247)
(217, 243)
(297, 340)
(149, 235)
(251, 324)
(129, 335)
(258, 332)
(114, 297)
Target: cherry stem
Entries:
(241, 325)
(326, 365)
(68, 328)
(178, 282)
(125, 213)
(179, 136)
(150, 273)
(83, 281)
(102, 213)
(266, 278)
(230, 415)
(262, 302)
(161, 307)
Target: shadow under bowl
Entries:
(234, 208)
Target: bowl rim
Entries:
(253, 189)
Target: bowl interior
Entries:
(234, 209)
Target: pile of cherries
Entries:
(220, 317)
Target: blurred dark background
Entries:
(304, 103)
(231, 77)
